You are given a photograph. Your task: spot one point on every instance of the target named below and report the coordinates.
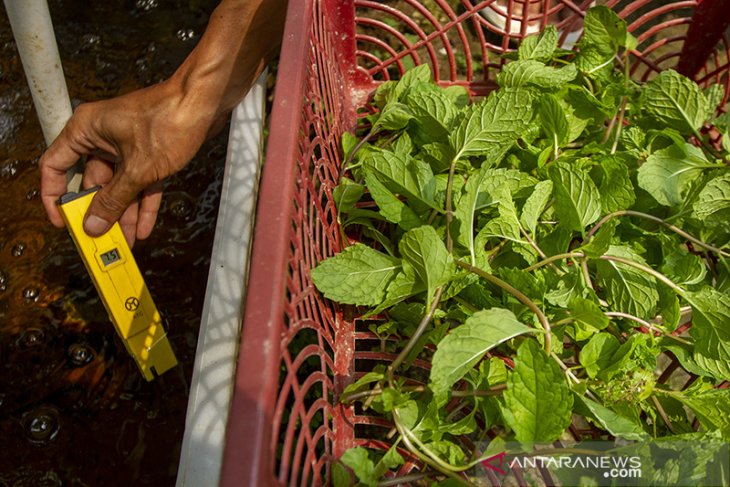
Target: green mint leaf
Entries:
(414, 76)
(459, 95)
(577, 199)
(634, 354)
(553, 121)
(403, 145)
(531, 285)
(588, 313)
(535, 205)
(669, 308)
(686, 360)
(619, 426)
(576, 125)
(362, 382)
(447, 451)
(601, 241)
(466, 212)
(534, 73)
(358, 459)
(346, 194)
(598, 353)
(493, 124)
(402, 175)
(675, 101)
(357, 275)
(710, 330)
(538, 402)
(426, 252)
(438, 155)
(485, 188)
(505, 225)
(617, 190)
(349, 142)
(385, 92)
(713, 203)
(404, 285)
(605, 31)
(394, 116)
(628, 289)
(712, 408)
(390, 206)
(568, 287)
(668, 173)
(682, 267)
(463, 426)
(539, 47)
(494, 371)
(460, 350)
(595, 62)
(633, 139)
(714, 95)
(341, 475)
(586, 106)
(433, 109)
(391, 460)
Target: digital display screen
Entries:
(110, 257)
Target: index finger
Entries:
(54, 164)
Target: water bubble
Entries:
(80, 354)
(146, 5)
(10, 169)
(91, 39)
(18, 249)
(31, 294)
(182, 207)
(32, 337)
(3, 282)
(142, 64)
(185, 34)
(41, 425)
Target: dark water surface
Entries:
(74, 410)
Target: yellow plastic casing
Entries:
(121, 287)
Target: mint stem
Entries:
(423, 452)
(416, 335)
(658, 220)
(354, 151)
(517, 294)
(619, 125)
(646, 324)
(578, 255)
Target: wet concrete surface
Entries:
(74, 410)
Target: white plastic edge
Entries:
(214, 370)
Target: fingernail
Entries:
(95, 226)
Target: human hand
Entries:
(136, 140)
(132, 142)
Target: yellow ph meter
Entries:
(121, 287)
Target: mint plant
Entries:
(541, 248)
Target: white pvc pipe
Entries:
(36, 42)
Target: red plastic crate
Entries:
(298, 351)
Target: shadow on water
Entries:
(74, 410)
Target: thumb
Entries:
(108, 205)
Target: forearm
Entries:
(241, 38)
